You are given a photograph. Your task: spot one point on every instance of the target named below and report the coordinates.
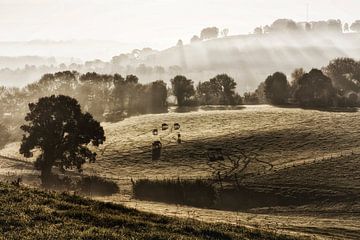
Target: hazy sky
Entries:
(154, 23)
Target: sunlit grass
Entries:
(34, 214)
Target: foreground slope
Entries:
(33, 214)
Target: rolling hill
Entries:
(250, 58)
(32, 214)
(312, 189)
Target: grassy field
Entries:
(32, 214)
(315, 157)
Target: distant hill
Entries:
(250, 58)
(22, 61)
(77, 49)
(247, 58)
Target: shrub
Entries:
(86, 185)
(197, 193)
(96, 185)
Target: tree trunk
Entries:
(46, 174)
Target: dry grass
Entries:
(33, 214)
(305, 147)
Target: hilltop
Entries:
(249, 59)
(34, 214)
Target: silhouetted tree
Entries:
(295, 75)
(158, 96)
(315, 90)
(195, 38)
(224, 86)
(355, 26)
(132, 91)
(334, 25)
(210, 32)
(59, 82)
(121, 59)
(352, 99)
(330, 25)
(179, 43)
(138, 101)
(96, 88)
(119, 93)
(288, 25)
(346, 27)
(277, 88)
(159, 70)
(219, 90)
(283, 25)
(205, 93)
(251, 98)
(225, 32)
(260, 93)
(266, 29)
(183, 89)
(258, 30)
(345, 73)
(57, 127)
(131, 79)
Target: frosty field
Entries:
(315, 157)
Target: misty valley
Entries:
(224, 136)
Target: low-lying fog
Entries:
(247, 58)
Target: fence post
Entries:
(237, 181)
(219, 176)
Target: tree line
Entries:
(112, 97)
(97, 93)
(290, 26)
(60, 125)
(335, 85)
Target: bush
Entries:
(94, 185)
(197, 193)
(60, 183)
(86, 185)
